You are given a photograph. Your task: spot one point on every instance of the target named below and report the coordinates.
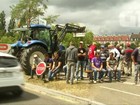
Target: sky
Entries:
(102, 17)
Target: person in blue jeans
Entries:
(48, 61)
(81, 61)
(97, 67)
(136, 60)
(56, 66)
(112, 67)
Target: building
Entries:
(135, 37)
(113, 38)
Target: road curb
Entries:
(59, 94)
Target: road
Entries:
(33, 98)
(115, 93)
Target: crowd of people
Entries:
(107, 61)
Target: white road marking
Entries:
(130, 83)
(129, 93)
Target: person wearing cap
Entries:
(104, 54)
(127, 59)
(36, 61)
(81, 60)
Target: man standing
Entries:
(127, 59)
(92, 51)
(71, 59)
(81, 60)
(136, 59)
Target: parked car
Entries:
(11, 75)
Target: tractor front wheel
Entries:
(27, 57)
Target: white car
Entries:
(11, 75)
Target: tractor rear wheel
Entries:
(27, 57)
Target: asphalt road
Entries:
(116, 94)
(33, 98)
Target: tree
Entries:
(51, 19)
(2, 23)
(27, 10)
(88, 39)
(11, 24)
(133, 45)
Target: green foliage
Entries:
(2, 23)
(98, 45)
(88, 39)
(116, 43)
(11, 26)
(27, 10)
(9, 39)
(133, 46)
(68, 38)
(106, 44)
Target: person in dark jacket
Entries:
(136, 60)
(71, 59)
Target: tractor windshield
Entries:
(41, 34)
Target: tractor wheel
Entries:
(27, 57)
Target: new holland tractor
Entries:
(39, 39)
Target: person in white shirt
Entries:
(115, 52)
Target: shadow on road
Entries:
(8, 98)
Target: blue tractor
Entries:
(39, 39)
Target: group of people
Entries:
(107, 61)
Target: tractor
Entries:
(39, 39)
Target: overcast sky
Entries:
(99, 16)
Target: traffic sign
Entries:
(41, 67)
(3, 46)
(79, 35)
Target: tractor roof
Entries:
(39, 26)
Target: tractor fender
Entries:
(35, 42)
(17, 44)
